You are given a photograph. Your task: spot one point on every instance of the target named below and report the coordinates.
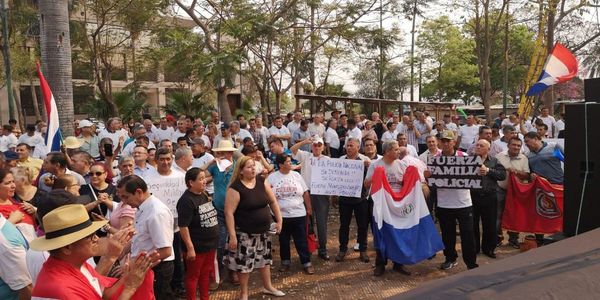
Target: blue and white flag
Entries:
(403, 230)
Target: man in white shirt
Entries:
(295, 123)
(559, 125)
(353, 130)
(200, 158)
(332, 140)
(279, 131)
(8, 141)
(449, 124)
(432, 149)
(163, 132)
(317, 127)
(154, 230)
(142, 168)
(403, 142)
(114, 130)
(238, 134)
(183, 159)
(264, 131)
(175, 184)
(31, 138)
(548, 120)
(181, 131)
(467, 133)
(55, 164)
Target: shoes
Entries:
(234, 278)
(340, 256)
(379, 270)
(324, 256)
(473, 266)
(500, 240)
(356, 247)
(448, 264)
(401, 269)
(514, 243)
(276, 293)
(490, 254)
(213, 286)
(309, 270)
(284, 268)
(364, 257)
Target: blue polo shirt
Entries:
(546, 163)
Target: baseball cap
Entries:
(224, 126)
(317, 140)
(11, 155)
(447, 134)
(85, 123)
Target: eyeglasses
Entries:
(98, 174)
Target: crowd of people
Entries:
(83, 222)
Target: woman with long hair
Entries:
(248, 208)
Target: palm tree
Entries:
(55, 45)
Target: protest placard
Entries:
(168, 189)
(454, 172)
(337, 177)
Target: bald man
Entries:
(485, 200)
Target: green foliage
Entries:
(332, 89)
(185, 102)
(395, 81)
(448, 60)
(131, 102)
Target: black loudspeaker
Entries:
(591, 89)
(580, 168)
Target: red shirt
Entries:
(60, 280)
(5, 210)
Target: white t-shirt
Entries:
(168, 194)
(8, 141)
(467, 135)
(394, 172)
(454, 198)
(264, 132)
(32, 141)
(412, 161)
(288, 190)
(163, 134)
(550, 122)
(355, 133)
(388, 136)
(114, 136)
(412, 151)
(332, 138)
(280, 131)
(176, 134)
(560, 125)
(451, 126)
(316, 129)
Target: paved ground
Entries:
(350, 279)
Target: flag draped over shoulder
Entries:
(533, 207)
(53, 135)
(561, 66)
(403, 230)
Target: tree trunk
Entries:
(278, 103)
(20, 115)
(223, 104)
(36, 105)
(55, 42)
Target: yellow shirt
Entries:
(34, 165)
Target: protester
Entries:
(279, 131)
(357, 205)
(467, 133)
(320, 203)
(154, 231)
(55, 165)
(12, 210)
(485, 201)
(199, 228)
(301, 134)
(294, 202)
(248, 208)
(332, 139)
(15, 281)
(101, 191)
(393, 172)
(71, 240)
(515, 164)
(455, 206)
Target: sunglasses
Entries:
(98, 174)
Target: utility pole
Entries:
(381, 55)
(6, 55)
(505, 81)
(412, 57)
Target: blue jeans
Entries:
(295, 228)
(320, 208)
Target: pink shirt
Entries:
(121, 210)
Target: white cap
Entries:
(317, 139)
(85, 123)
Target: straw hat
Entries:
(72, 142)
(64, 226)
(225, 146)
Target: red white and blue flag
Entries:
(561, 66)
(403, 229)
(53, 135)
